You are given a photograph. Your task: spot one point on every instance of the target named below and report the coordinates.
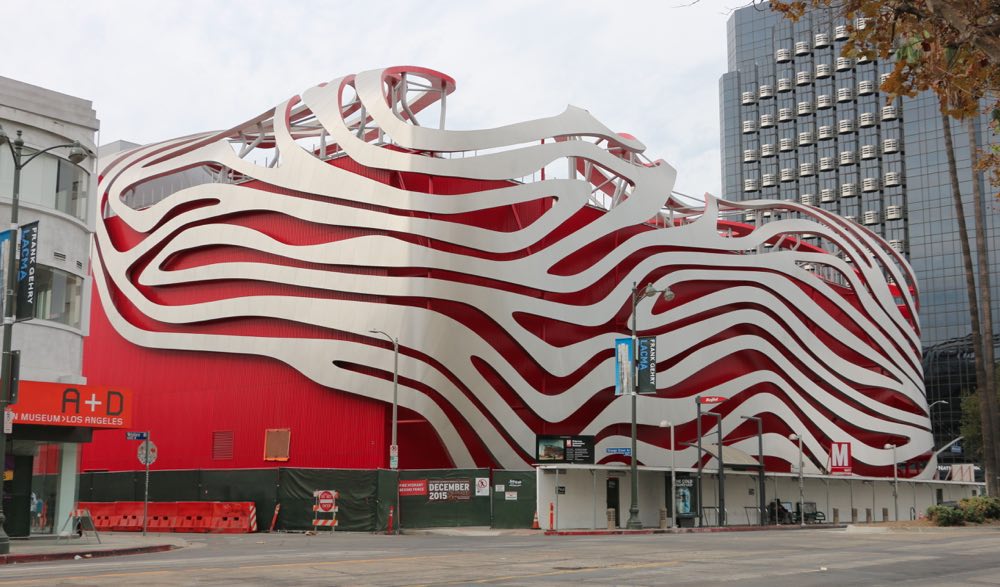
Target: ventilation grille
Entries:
(222, 445)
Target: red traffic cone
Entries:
(534, 523)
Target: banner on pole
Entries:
(623, 365)
(26, 269)
(647, 364)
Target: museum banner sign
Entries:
(63, 404)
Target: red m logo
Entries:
(840, 458)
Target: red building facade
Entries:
(238, 275)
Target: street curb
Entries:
(709, 530)
(12, 559)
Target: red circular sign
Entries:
(326, 501)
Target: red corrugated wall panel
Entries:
(182, 397)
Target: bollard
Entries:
(663, 518)
(836, 515)
(885, 514)
(392, 510)
(868, 515)
(552, 516)
(854, 515)
(611, 518)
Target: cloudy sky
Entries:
(157, 70)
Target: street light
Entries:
(722, 465)
(760, 455)
(895, 481)
(393, 448)
(673, 469)
(76, 154)
(802, 509)
(647, 292)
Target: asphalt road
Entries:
(774, 558)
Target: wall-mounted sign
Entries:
(62, 404)
(710, 399)
(618, 450)
(840, 458)
(565, 449)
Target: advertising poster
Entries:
(564, 449)
(449, 489)
(686, 496)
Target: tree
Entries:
(951, 48)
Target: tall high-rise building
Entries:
(801, 122)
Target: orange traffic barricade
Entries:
(162, 516)
(193, 516)
(231, 517)
(127, 516)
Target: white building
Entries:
(42, 460)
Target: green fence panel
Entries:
(356, 505)
(514, 502)
(257, 485)
(388, 481)
(168, 485)
(112, 487)
(444, 497)
(84, 486)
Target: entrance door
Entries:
(613, 499)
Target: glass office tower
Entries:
(800, 122)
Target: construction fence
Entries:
(417, 498)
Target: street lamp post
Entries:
(760, 456)
(895, 481)
(802, 509)
(673, 470)
(76, 154)
(722, 470)
(647, 292)
(393, 448)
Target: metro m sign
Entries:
(840, 458)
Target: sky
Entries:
(158, 70)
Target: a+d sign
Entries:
(840, 458)
(62, 404)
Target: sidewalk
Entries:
(487, 531)
(47, 548)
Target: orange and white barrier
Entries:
(235, 517)
(325, 503)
